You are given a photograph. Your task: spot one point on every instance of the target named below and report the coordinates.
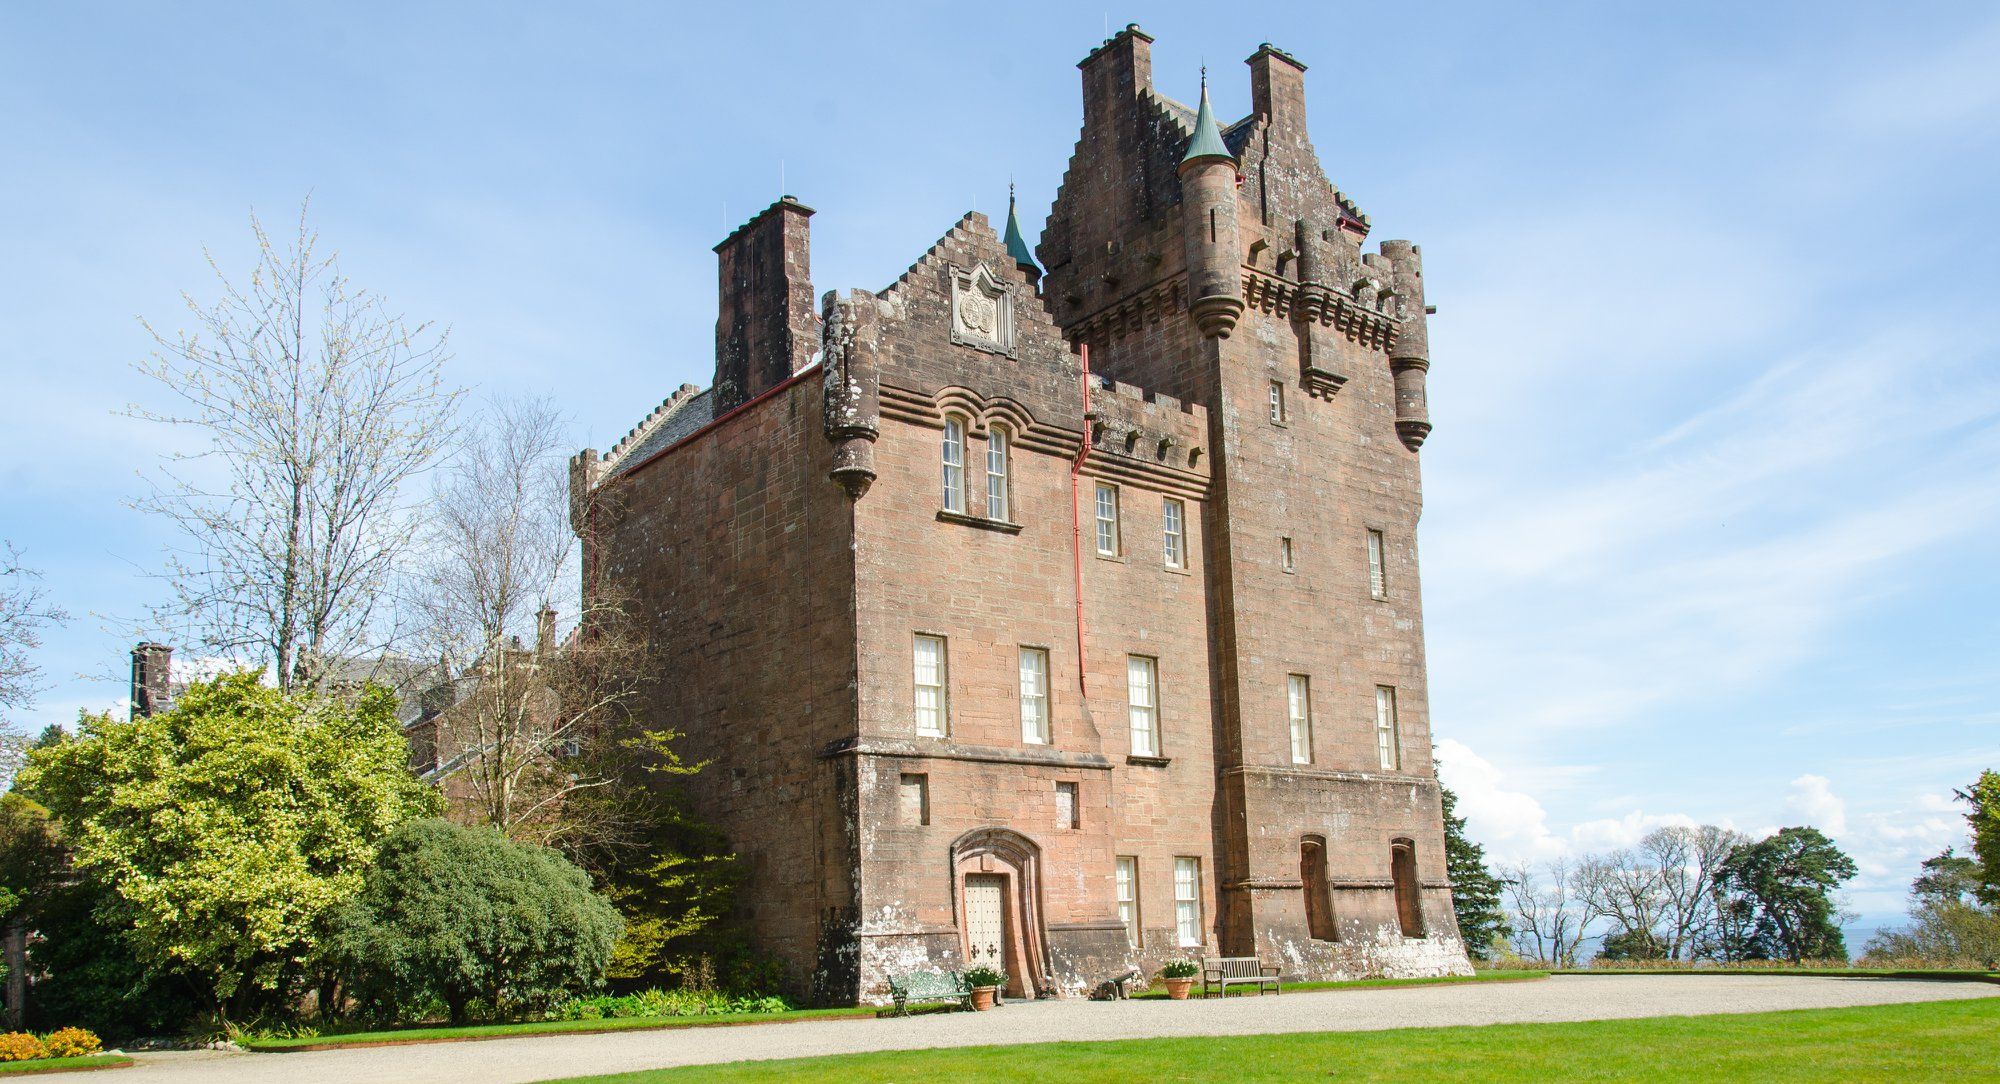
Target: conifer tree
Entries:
(1475, 892)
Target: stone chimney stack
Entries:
(1278, 87)
(152, 676)
(765, 323)
(545, 630)
(1116, 72)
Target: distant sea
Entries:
(1857, 939)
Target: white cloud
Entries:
(1813, 799)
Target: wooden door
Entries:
(986, 921)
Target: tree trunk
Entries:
(17, 976)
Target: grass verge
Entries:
(1361, 984)
(64, 1065)
(1949, 1040)
(469, 1032)
(1948, 974)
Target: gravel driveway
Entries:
(518, 1061)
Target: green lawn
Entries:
(540, 1027)
(1951, 1040)
(65, 1065)
(1160, 992)
(1962, 974)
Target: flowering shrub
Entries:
(72, 1043)
(21, 1046)
(1180, 969)
(665, 1003)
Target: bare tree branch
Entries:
(317, 404)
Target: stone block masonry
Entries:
(1066, 621)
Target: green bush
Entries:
(985, 976)
(464, 917)
(651, 1003)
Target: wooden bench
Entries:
(1220, 974)
(929, 986)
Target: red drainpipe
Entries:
(1076, 528)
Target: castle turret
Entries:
(1017, 246)
(152, 679)
(852, 338)
(1208, 221)
(1410, 354)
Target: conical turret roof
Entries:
(1017, 246)
(1207, 141)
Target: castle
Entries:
(1062, 621)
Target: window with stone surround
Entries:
(1068, 816)
(1388, 742)
(933, 698)
(1378, 578)
(1277, 401)
(1173, 531)
(915, 795)
(1035, 695)
(1285, 558)
(1298, 709)
(1142, 704)
(1107, 519)
(1128, 897)
(1187, 902)
(1320, 924)
(997, 446)
(954, 464)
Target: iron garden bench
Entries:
(1220, 974)
(929, 986)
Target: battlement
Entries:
(1136, 423)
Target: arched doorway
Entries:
(997, 898)
(1403, 871)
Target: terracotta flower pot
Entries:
(982, 997)
(1177, 989)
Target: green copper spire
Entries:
(1207, 141)
(1017, 246)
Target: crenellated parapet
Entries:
(851, 341)
(1139, 433)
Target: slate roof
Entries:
(663, 431)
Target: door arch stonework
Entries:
(1015, 861)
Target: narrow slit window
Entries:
(1378, 578)
(916, 799)
(1187, 901)
(954, 465)
(997, 448)
(1387, 742)
(1128, 897)
(1285, 558)
(1107, 520)
(1298, 706)
(933, 707)
(1034, 696)
(1173, 531)
(1142, 703)
(1277, 401)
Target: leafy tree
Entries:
(227, 829)
(455, 916)
(1984, 797)
(1789, 879)
(1636, 944)
(1948, 923)
(1475, 891)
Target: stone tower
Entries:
(1219, 265)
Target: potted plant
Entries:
(986, 983)
(1179, 975)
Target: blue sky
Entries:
(1712, 501)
